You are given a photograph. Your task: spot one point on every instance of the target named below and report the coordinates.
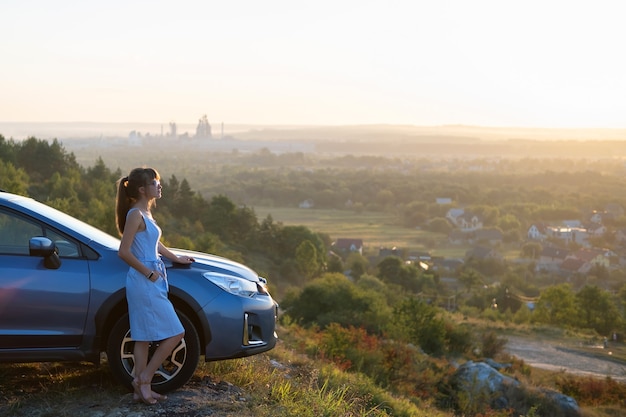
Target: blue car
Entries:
(62, 298)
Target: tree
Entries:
(415, 214)
(335, 264)
(219, 217)
(422, 324)
(289, 239)
(307, 260)
(41, 160)
(233, 225)
(390, 269)
(508, 222)
(531, 250)
(395, 271)
(7, 150)
(13, 179)
(489, 214)
(357, 264)
(596, 310)
(181, 198)
(470, 278)
(440, 225)
(332, 298)
(385, 198)
(245, 226)
(557, 306)
(621, 296)
(266, 237)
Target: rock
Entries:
(480, 381)
(479, 384)
(497, 365)
(566, 404)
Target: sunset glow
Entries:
(487, 62)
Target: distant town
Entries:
(454, 141)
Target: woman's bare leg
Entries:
(145, 373)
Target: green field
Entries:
(376, 229)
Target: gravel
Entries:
(195, 399)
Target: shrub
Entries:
(492, 345)
(593, 391)
(459, 339)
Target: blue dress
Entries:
(152, 315)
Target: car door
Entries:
(40, 308)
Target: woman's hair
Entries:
(128, 192)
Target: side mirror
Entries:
(44, 247)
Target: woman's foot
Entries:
(155, 395)
(143, 392)
(159, 397)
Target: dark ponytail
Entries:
(128, 193)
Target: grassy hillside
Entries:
(283, 382)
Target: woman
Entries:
(152, 316)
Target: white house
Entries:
(537, 231)
(465, 221)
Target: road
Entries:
(552, 356)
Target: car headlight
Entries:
(234, 285)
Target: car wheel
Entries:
(173, 373)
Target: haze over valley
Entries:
(121, 141)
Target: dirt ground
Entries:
(205, 397)
(557, 356)
(197, 398)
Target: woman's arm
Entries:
(133, 223)
(163, 250)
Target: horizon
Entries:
(537, 65)
(285, 132)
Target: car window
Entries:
(65, 246)
(15, 232)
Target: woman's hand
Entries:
(184, 259)
(154, 275)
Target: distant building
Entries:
(551, 258)
(491, 236)
(464, 220)
(348, 245)
(386, 252)
(483, 253)
(306, 204)
(203, 130)
(537, 231)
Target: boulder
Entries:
(479, 384)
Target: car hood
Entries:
(217, 264)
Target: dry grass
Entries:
(282, 385)
(377, 229)
(278, 383)
(53, 388)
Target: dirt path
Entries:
(197, 398)
(556, 357)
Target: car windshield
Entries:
(74, 224)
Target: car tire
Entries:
(177, 369)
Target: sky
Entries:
(546, 63)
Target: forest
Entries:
(352, 298)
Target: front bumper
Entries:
(240, 327)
